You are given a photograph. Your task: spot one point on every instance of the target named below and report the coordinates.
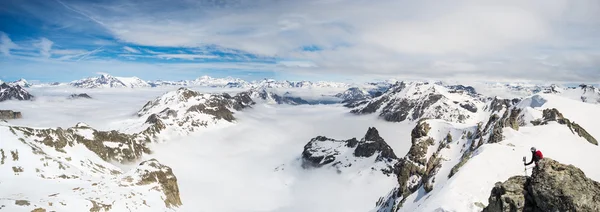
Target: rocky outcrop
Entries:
(552, 187)
(161, 177)
(554, 115)
(80, 96)
(108, 145)
(9, 114)
(13, 92)
(511, 196)
(322, 151)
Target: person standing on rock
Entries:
(536, 155)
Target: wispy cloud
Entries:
(537, 39)
(44, 46)
(131, 50)
(6, 44)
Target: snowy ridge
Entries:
(75, 161)
(184, 111)
(441, 151)
(416, 100)
(583, 92)
(107, 81)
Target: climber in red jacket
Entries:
(536, 155)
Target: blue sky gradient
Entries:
(348, 40)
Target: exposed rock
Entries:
(321, 151)
(14, 92)
(511, 196)
(417, 100)
(559, 187)
(469, 106)
(39, 210)
(417, 168)
(9, 114)
(151, 172)
(552, 187)
(79, 96)
(109, 145)
(186, 111)
(554, 115)
(22, 202)
(97, 207)
(373, 143)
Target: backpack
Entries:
(539, 154)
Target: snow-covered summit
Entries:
(108, 81)
(416, 100)
(16, 92)
(184, 111)
(21, 82)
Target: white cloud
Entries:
(44, 46)
(400, 38)
(6, 44)
(131, 50)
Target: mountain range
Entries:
(462, 142)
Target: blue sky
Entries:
(342, 40)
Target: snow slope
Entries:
(497, 162)
(47, 175)
(492, 158)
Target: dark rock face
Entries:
(16, 92)
(498, 104)
(80, 96)
(552, 187)
(9, 114)
(373, 143)
(322, 151)
(461, 88)
(469, 106)
(511, 195)
(555, 186)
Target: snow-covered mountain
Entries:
(416, 100)
(70, 169)
(583, 92)
(271, 83)
(21, 82)
(184, 111)
(369, 153)
(107, 81)
(445, 156)
(16, 92)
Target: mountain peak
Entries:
(372, 135)
(13, 92)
